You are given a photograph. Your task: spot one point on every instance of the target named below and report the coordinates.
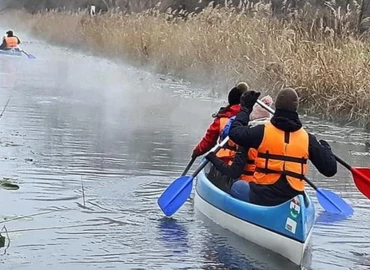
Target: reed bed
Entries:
(322, 58)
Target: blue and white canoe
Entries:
(284, 229)
(15, 52)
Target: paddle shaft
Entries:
(6, 105)
(353, 171)
(189, 166)
(341, 161)
(28, 55)
(215, 150)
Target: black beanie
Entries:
(9, 33)
(236, 93)
(287, 99)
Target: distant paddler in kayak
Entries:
(283, 150)
(243, 165)
(213, 132)
(10, 41)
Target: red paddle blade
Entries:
(361, 177)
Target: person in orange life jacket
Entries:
(214, 130)
(283, 149)
(243, 165)
(10, 41)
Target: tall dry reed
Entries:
(320, 58)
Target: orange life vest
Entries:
(250, 167)
(11, 42)
(228, 152)
(282, 153)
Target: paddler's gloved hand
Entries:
(225, 131)
(248, 99)
(211, 156)
(195, 153)
(324, 144)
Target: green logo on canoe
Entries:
(295, 208)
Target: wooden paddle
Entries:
(189, 166)
(330, 201)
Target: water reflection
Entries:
(173, 235)
(326, 218)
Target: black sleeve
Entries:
(236, 169)
(241, 134)
(322, 157)
(19, 41)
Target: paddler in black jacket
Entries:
(283, 150)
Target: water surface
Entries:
(78, 125)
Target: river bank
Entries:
(219, 47)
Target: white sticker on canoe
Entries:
(290, 225)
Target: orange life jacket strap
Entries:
(267, 156)
(250, 161)
(248, 173)
(288, 173)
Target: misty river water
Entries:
(80, 125)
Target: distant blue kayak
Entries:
(15, 52)
(284, 229)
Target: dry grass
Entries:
(326, 63)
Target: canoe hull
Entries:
(288, 235)
(13, 52)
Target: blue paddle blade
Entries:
(30, 56)
(332, 203)
(175, 195)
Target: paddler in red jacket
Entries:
(214, 131)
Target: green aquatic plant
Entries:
(6, 184)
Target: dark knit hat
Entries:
(287, 99)
(236, 93)
(9, 33)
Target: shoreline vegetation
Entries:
(320, 53)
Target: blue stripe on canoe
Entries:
(273, 218)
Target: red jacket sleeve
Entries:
(210, 138)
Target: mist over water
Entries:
(125, 134)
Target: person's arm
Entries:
(236, 169)
(243, 135)
(209, 139)
(322, 157)
(240, 133)
(3, 44)
(239, 126)
(19, 41)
